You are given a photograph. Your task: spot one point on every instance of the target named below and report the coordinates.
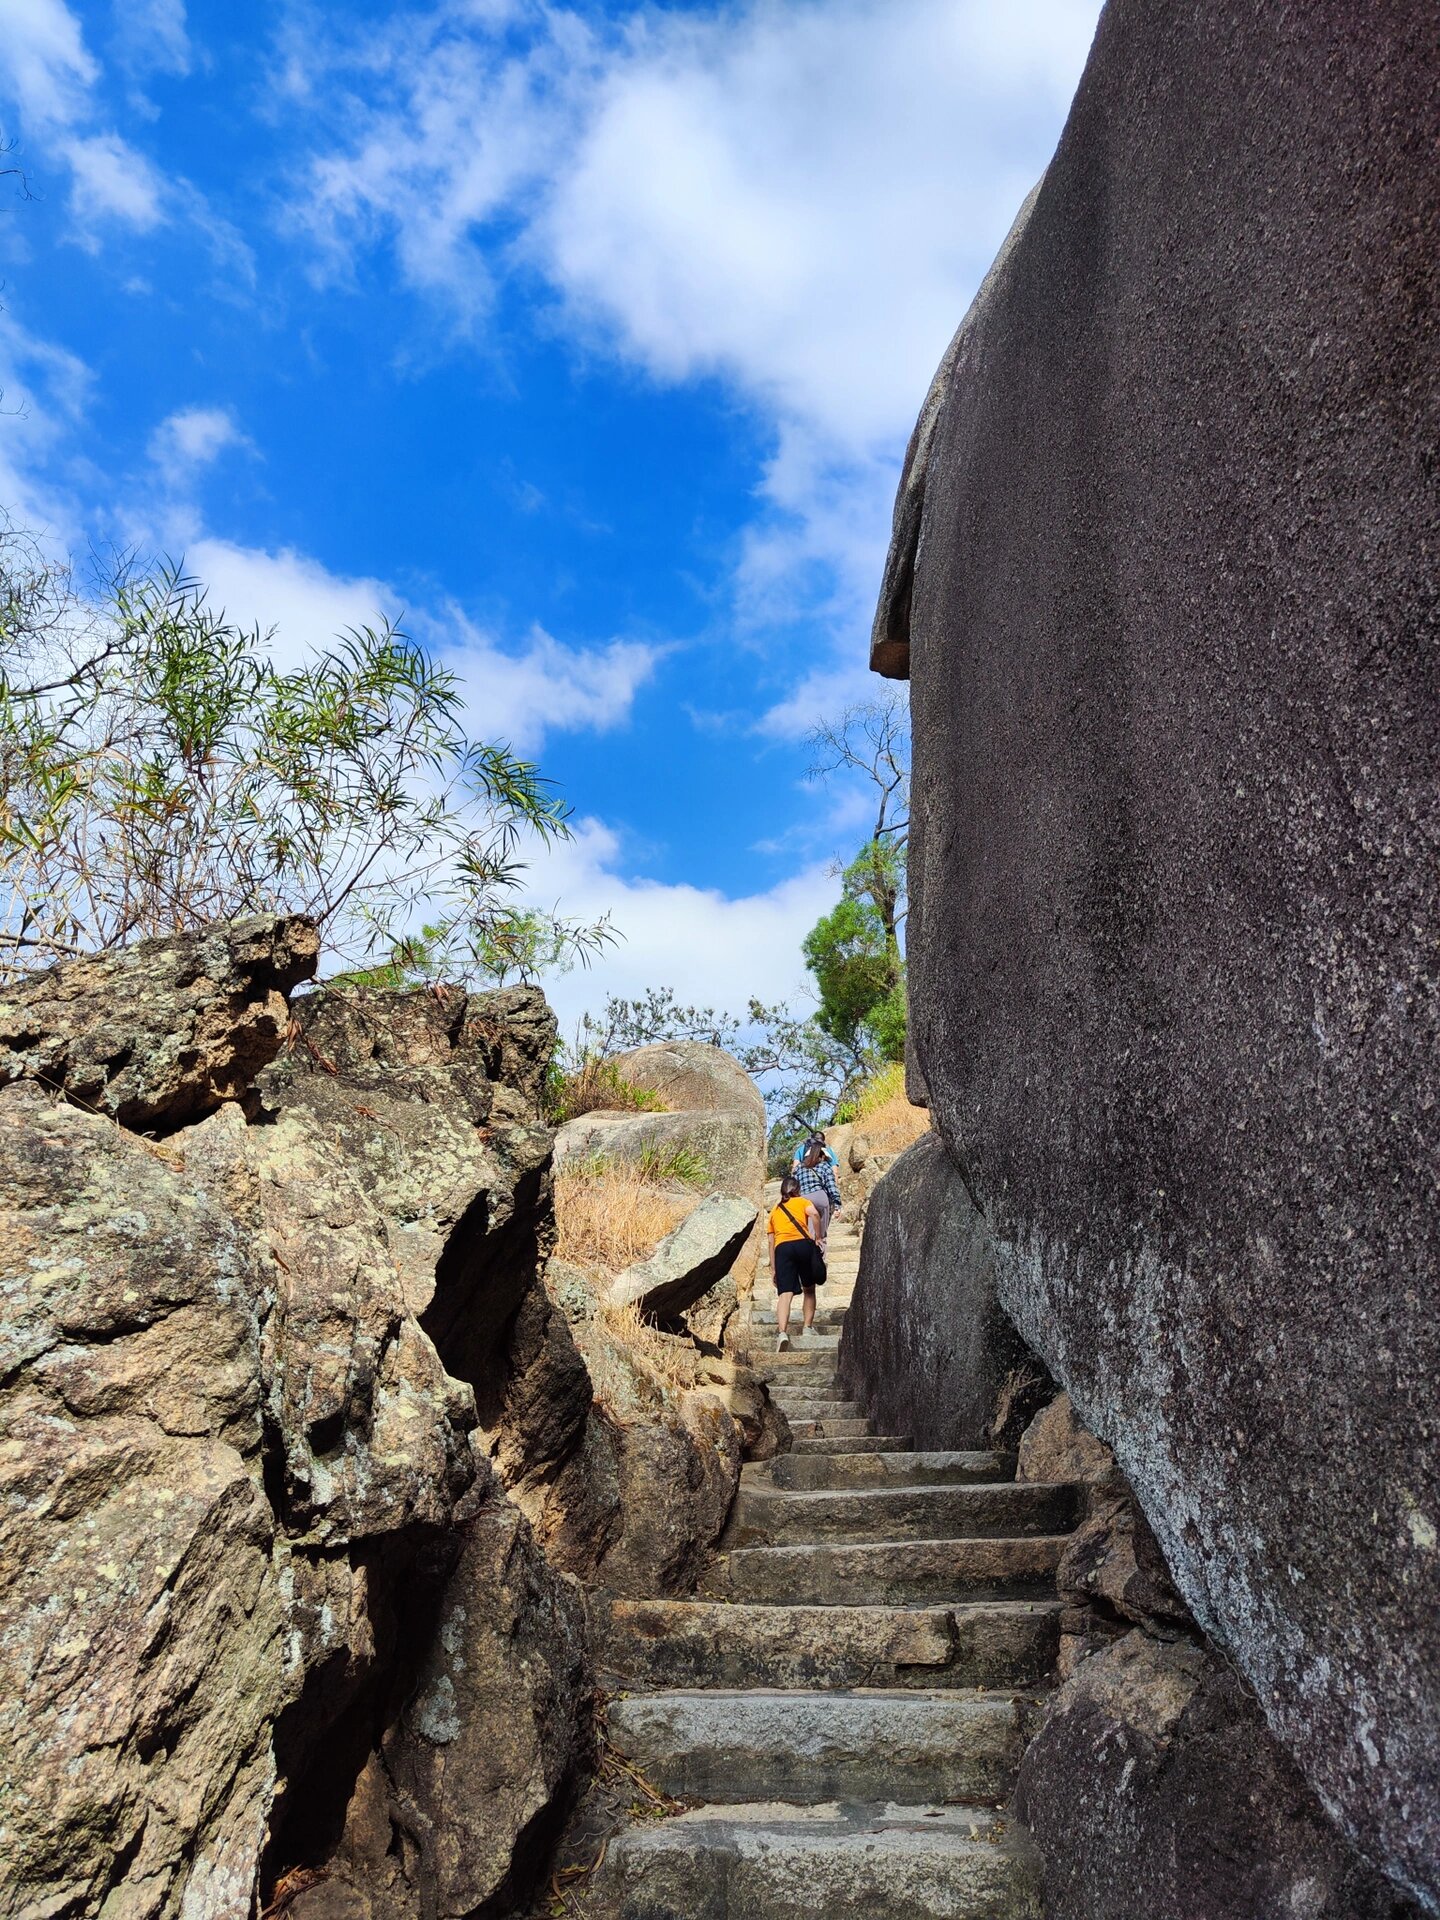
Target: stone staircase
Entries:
(845, 1701)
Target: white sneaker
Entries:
(782, 1345)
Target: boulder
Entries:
(1175, 849)
(689, 1261)
(144, 1657)
(1155, 1787)
(234, 1460)
(925, 1345)
(451, 1815)
(691, 1076)
(1055, 1448)
(677, 1477)
(161, 1032)
(1112, 1561)
(455, 1164)
(719, 1151)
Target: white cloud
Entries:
(194, 437)
(713, 949)
(518, 695)
(153, 35)
(797, 199)
(109, 179)
(44, 64)
(44, 393)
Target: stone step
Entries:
(795, 1368)
(831, 1863)
(811, 1406)
(876, 1467)
(661, 1644)
(827, 1319)
(802, 1429)
(771, 1516)
(890, 1573)
(823, 1446)
(910, 1747)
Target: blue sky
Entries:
(589, 338)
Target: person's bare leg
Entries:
(782, 1314)
(809, 1308)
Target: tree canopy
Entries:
(159, 769)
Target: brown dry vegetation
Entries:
(885, 1117)
(610, 1215)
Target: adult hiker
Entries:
(816, 1139)
(816, 1177)
(796, 1262)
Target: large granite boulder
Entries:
(693, 1077)
(926, 1346)
(143, 1658)
(689, 1261)
(719, 1151)
(161, 1032)
(1163, 585)
(1155, 1787)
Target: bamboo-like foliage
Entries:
(159, 769)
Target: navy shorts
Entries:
(799, 1267)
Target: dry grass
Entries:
(885, 1117)
(596, 1086)
(668, 1358)
(610, 1215)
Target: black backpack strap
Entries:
(805, 1232)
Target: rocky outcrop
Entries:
(718, 1151)
(1168, 625)
(160, 1033)
(1155, 1787)
(248, 1506)
(688, 1262)
(926, 1348)
(453, 1812)
(692, 1077)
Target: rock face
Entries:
(161, 1032)
(1154, 1787)
(247, 1501)
(691, 1076)
(721, 1148)
(452, 1813)
(1163, 586)
(688, 1262)
(926, 1348)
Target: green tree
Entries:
(158, 770)
(853, 953)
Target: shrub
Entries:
(595, 1085)
(675, 1166)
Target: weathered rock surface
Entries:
(144, 1657)
(688, 1262)
(693, 1077)
(235, 1462)
(1055, 1448)
(1170, 634)
(163, 1031)
(452, 1814)
(722, 1146)
(926, 1346)
(1155, 1787)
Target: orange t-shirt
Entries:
(783, 1226)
